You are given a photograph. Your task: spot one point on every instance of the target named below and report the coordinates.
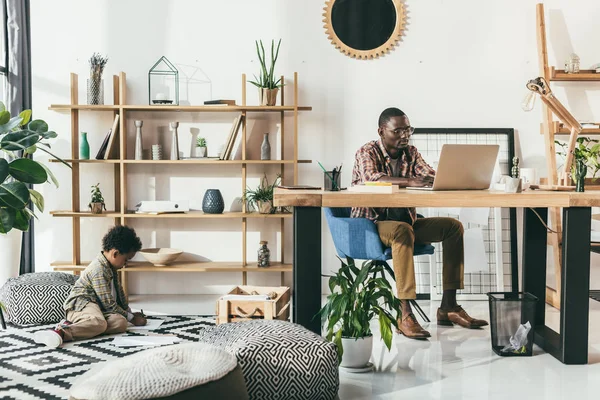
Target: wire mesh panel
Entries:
(499, 242)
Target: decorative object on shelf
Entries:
(157, 152)
(201, 150)
(262, 196)
(249, 303)
(265, 148)
(84, 147)
(139, 150)
(586, 154)
(572, 64)
(95, 83)
(213, 203)
(264, 255)
(515, 170)
(267, 86)
(580, 174)
(97, 201)
(174, 141)
(163, 83)
(160, 257)
(220, 102)
(349, 25)
(351, 306)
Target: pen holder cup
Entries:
(331, 181)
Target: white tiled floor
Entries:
(454, 364)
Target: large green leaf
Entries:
(49, 135)
(3, 169)
(51, 175)
(7, 219)
(38, 126)
(56, 157)
(37, 199)
(385, 329)
(22, 220)
(28, 171)
(4, 118)
(19, 140)
(14, 195)
(26, 116)
(11, 124)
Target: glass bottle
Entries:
(264, 254)
(84, 147)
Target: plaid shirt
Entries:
(94, 285)
(372, 161)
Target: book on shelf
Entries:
(102, 150)
(375, 187)
(231, 138)
(236, 143)
(112, 143)
(219, 103)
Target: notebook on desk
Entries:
(464, 167)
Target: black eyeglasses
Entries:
(408, 131)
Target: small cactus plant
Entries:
(201, 142)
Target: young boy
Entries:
(97, 304)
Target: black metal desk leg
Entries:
(307, 267)
(534, 259)
(574, 301)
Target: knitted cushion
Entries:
(171, 371)
(36, 298)
(279, 359)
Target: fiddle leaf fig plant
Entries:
(357, 296)
(20, 137)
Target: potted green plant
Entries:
(585, 156)
(19, 139)
(262, 196)
(201, 147)
(267, 86)
(357, 296)
(97, 202)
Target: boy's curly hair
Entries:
(121, 238)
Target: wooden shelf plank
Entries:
(183, 266)
(202, 108)
(191, 214)
(584, 75)
(94, 161)
(86, 107)
(214, 161)
(83, 214)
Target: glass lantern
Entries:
(163, 83)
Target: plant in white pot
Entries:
(201, 147)
(267, 86)
(357, 296)
(20, 137)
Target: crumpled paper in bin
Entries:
(518, 340)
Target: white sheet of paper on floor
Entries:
(127, 341)
(478, 215)
(475, 255)
(151, 324)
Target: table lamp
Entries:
(540, 86)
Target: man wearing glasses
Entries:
(392, 159)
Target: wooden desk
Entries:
(570, 345)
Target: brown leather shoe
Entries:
(409, 327)
(460, 317)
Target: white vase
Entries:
(357, 352)
(139, 152)
(10, 255)
(174, 141)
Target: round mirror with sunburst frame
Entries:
(364, 29)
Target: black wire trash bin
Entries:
(512, 322)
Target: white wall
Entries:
(461, 64)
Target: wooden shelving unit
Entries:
(584, 75)
(123, 213)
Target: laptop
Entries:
(464, 167)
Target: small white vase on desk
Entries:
(139, 151)
(174, 141)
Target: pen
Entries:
(327, 173)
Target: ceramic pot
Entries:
(357, 351)
(213, 203)
(10, 255)
(97, 208)
(264, 207)
(267, 97)
(201, 151)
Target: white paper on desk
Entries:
(479, 215)
(151, 324)
(127, 341)
(249, 297)
(475, 255)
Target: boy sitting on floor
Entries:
(97, 303)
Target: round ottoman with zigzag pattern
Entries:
(279, 359)
(36, 298)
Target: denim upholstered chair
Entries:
(358, 238)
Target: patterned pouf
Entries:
(182, 371)
(36, 298)
(279, 359)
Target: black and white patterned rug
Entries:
(32, 371)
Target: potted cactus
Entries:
(97, 202)
(201, 150)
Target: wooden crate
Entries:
(234, 310)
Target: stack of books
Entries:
(109, 146)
